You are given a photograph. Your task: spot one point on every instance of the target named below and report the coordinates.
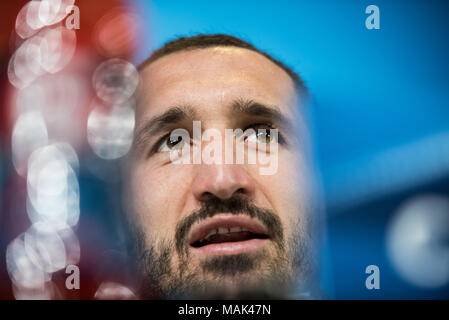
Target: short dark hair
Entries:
(202, 41)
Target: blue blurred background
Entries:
(380, 116)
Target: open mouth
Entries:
(233, 234)
(228, 234)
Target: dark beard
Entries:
(159, 280)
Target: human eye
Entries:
(169, 142)
(262, 133)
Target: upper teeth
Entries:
(224, 231)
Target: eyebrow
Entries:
(256, 109)
(160, 123)
(177, 114)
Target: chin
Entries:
(234, 289)
(238, 285)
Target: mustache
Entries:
(237, 204)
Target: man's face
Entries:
(217, 229)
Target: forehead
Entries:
(210, 79)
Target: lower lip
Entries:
(230, 248)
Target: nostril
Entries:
(207, 196)
(241, 190)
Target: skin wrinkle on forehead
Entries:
(226, 59)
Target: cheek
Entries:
(154, 201)
(287, 190)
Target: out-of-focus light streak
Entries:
(63, 116)
(22, 271)
(49, 100)
(23, 28)
(47, 291)
(57, 48)
(417, 241)
(115, 81)
(53, 189)
(44, 247)
(32, 15)
(110, 130)
(110, 124)
(53, 11)
(35, 15)
(49, 51)
(29, 133)
(42, 150)
(114, 291)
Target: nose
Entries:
(222, 181)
